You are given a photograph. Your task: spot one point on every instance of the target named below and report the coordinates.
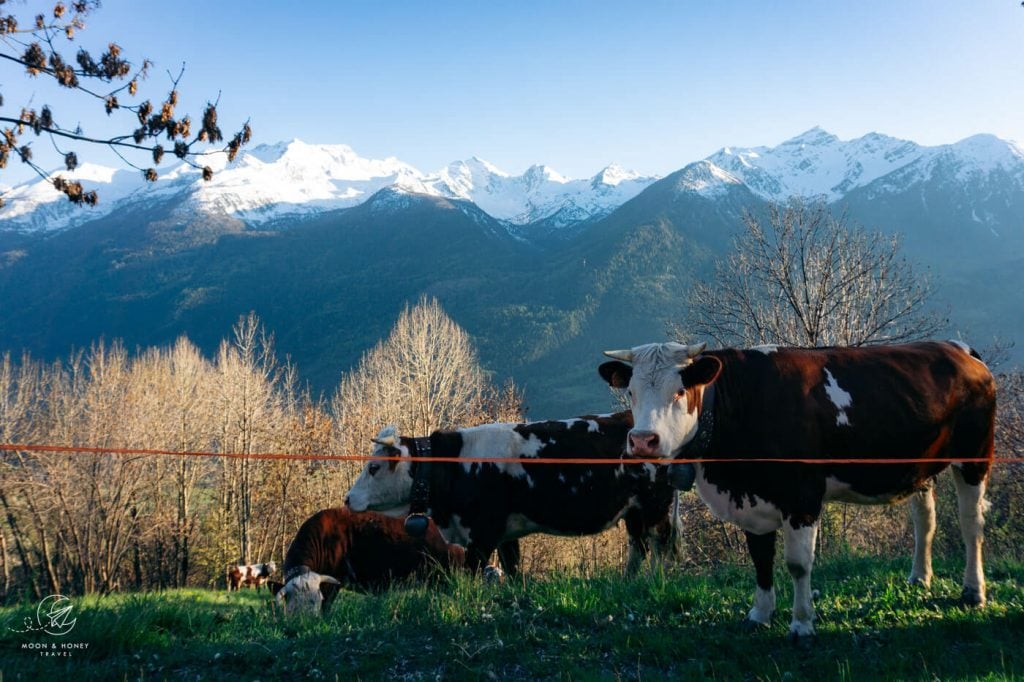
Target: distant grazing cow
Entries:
(490, 504)
(357, 550)
(926, 401)
(250, 575)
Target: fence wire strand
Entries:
(625, 459)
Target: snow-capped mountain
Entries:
(538, 193)
(282, 182)
(705, 179)
(518, 259)
(293, 179)
(819, 164)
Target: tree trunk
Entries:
(26, 567)
(6, 563)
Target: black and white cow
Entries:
(483, 505)
(931, 402)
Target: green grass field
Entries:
(871, 625)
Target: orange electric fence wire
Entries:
(23, 447)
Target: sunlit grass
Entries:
(559, 626)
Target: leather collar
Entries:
(700, 445)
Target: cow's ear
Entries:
(702, 371)
(616, 373)
(274, 587)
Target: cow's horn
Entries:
(696, 349)
(330, 580)
(623, 355)
(386, 437)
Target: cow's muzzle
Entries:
(644, 444)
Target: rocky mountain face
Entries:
(544, 271)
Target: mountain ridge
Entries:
(293, 180)
(539, 299)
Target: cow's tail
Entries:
(676, 524)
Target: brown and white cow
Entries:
(364, 551)
(250, 575)
(931, 402)
(484, 505)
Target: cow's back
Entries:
(928, 401)
(366, 550)
(510, 500)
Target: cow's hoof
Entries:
(972, 596)
(682, 476)
(918, 581)
(749, 625)
(801, 641)
(801, 633)
(493, 575)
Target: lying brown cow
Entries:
(250, 575)
(358, 550)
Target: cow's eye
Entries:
(680, 393)
(373, 468)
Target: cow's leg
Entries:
(662, 529)
(508, 556)
(970, 497)
(477, 556)
(799, 552)
(669, 537)
(762, 551)
(922, 512)
(638, 541)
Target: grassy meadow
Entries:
(871, 625)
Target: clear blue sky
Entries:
(650, 85)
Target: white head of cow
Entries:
(384, 485)
(665, 382)
(301, 596)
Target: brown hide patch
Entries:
(694, 399)
(367, 550)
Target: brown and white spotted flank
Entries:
(931, 402)
(363, 551)
(250, 575)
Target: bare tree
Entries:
(807, 278)
(249, 371)
(424, 376)
(1010, 420)
(111, 82)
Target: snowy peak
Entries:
(815, 137)
(614, 175)
(816, 164)
(819, 164)
(278, 183)
(984, 154)
(274, 182)
(336, 161)
(706, 179)
(540, 193)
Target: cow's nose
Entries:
(643, 442)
